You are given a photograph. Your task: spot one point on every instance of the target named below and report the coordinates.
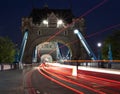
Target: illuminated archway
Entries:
(46, 58)
(58, 50)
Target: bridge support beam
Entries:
(85, 44)
(22, 49)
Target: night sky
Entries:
(105, 16)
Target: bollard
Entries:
(74, 71)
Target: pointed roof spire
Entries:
(46, 5)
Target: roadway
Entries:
(58, 79)
(11, 81)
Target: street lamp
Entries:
(99, 44)
(99, 54)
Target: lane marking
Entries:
(100, 92)
(78, 92)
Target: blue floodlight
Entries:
(85, 44)
(76, 31)
(23, 48)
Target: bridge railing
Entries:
(95, 63)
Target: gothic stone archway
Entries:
(44, 29)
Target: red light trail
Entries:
(106, 29)
(91, 35)
(86, 81)
(76, 91)
(76, 20)
(70, 81)
(102, 81)
(86, 13)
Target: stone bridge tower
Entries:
(44, 24)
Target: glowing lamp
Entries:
(45, 22)
(59, 22)
(76, 31)
(99, 44)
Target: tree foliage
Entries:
(114, 41)
(7, 50)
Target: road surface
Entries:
(49, 79)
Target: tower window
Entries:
(65, 32)
(39, 33)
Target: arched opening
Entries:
(46, 58)
(56, 49)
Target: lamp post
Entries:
(99, 54)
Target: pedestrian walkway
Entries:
(88, 68)
(11, 82)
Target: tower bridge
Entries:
(44, 23)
